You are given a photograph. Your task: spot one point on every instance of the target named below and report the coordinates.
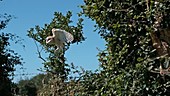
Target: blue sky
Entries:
(39, 12)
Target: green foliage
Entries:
(30, 87)
(27, 88)
(8, 59)
(126, 26)
(63, 22)
(130, 28)
(5, 18)
(55, 62)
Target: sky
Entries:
(30, 13)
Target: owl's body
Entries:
(59, 38)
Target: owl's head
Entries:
(50, 40)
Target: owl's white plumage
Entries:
(59, 38)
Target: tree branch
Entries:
(39, 52)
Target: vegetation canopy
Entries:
(135, 61)
(137, 36)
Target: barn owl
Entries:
(59, 38)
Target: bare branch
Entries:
(39, 52)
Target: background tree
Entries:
(137, 36)
(26, 88)
(30, 87)
(8, 58)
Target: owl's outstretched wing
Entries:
(62, 35)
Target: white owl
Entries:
(59, 38)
